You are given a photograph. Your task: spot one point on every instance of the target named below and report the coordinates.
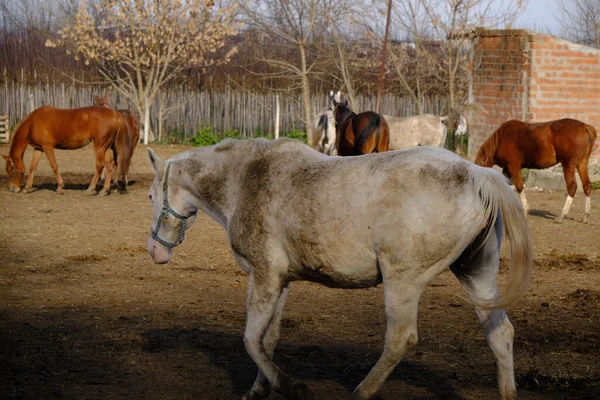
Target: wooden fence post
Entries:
(4, 129)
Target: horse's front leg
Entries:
(37, 154)
(261, 387)
(517, 177)
(49, 150)
(264, 293)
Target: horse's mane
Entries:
(485, 155)
(17, 131)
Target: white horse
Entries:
(401, 218)
(325, 127)
(418, 130)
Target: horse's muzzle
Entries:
(159, 253)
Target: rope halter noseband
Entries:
(164, 214)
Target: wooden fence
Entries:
(178, 113)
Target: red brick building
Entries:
(520, 74)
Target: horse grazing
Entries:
(517, 144)
(325, 127)
(357, 134)
(418, 130)
(47, 128)
(423, 211)
(124, 145)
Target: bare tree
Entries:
(290, 25)
(141, 45)
(580, 21)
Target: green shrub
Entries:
(296, 134)
(207, 137)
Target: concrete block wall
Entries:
(520, 74)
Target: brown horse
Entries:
(516, 144)
(124, 145)
(47, 128)
(357, 134)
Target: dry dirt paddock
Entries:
(86, 314)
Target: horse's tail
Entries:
(499, 200)
(124, 144)
(373, 126)
(592, 134)
(321, 133)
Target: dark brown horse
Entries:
(124, 145)
(48, 128)
(516, 144)
(357, 134)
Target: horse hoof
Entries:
(24, 191)
(60, 191)
(90, 192)
(103, 193)
(302, 392)
(252, 395)
(558, 220)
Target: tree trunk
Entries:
(306, 97)
(146, 123)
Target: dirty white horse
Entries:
(418, 130)
(325, 127)
(401, 218)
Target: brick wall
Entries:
(519, 74)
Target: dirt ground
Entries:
(86, 314)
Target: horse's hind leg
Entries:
(401, 305)
(477, 274)
(50, 154)
(571, 183)
(261, 387)
(37, 154)
(582, 169)
(109, 162)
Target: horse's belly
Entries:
(355, 274)
(72, 143)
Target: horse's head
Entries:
(101, 102)
(173, 212)
(341, 111)
(16, 177)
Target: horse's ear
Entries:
(338, 95)
(105, 99)
(331, 93)
(155, 161)
(96, 99)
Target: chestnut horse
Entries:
(357, 134)
(124, 145)
(517, 144)
(47, 128)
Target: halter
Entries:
(164, 213)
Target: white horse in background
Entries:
(418, 130)
(400, 218)
(325, 127)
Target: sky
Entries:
(540, 16)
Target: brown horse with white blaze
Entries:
(517, 144)
(48, 128)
